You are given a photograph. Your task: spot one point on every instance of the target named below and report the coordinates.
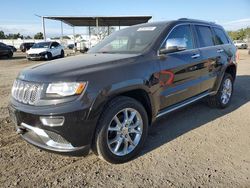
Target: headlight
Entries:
(66, 88)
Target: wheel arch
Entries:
(139, 93)
(231, 69)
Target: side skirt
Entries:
(183, 103)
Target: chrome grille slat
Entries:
(26, 92)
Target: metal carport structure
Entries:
(90, 21)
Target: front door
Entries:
(180, 71)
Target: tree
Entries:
(14, 36)
(102, 32)
(27, 37)
(38, 36)
(2, 35)
(240, 34)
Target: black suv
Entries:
(5, 50)
(106, 99)
(26, 46)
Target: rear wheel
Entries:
(62, 54)
(122, 130)
(223, 97)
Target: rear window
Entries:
(220, 37)
(205, 36)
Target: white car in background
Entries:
(240, 44)
(45, 50)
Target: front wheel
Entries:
(10, 55)
(122, 130)
(48, 56)
(223, 97)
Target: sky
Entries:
(19, 16)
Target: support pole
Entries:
(108, 30)
(97, 27)
(43, 26)
(75, 47)
(61, 32)
(89, 37)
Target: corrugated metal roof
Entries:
(102, 20)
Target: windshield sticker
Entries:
(146, 29)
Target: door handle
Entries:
(220, 50)
(195, 56)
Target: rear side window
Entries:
(182, 32)
(220, 37)
(205, 36)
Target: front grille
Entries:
(34, 55)
(26, 92)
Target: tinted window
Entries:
(182, 32)
(220, 37)
(55, 44)
(205, 36)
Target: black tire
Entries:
(62, 54)
(216, 100)
(10, 55)
(49, 56)
(102, 148)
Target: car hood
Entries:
(71, 68)
(36, 50)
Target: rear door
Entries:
(223, 46)
(210, 56)
(180, 74)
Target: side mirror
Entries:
(52, 47)
(174, 45)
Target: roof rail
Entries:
(183, 19)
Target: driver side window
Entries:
(54, 45)
(181, 33)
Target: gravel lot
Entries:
(195, 147)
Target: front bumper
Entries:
(36, 56)
(74, 137)
(49, 140)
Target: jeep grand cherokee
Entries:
(106, 99)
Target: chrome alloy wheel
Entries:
(226, 91)
(124, 131)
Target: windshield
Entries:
(130, 40)
(41, 45)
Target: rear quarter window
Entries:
(205, 36)
(220, 37)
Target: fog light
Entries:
(52, 121)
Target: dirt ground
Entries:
(195, 147)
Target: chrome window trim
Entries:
(194, 36)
